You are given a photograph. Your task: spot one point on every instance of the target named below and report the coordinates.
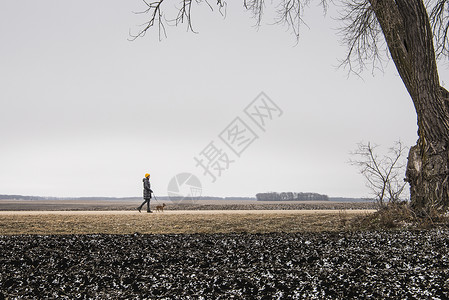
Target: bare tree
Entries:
(413, 33)
(384, 174)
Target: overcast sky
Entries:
(85, 112)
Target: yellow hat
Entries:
(147, 175)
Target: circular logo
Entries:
(184, 187)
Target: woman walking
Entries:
(146, 193)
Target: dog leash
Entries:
(156, 198)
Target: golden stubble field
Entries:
(171, 222)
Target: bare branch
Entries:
(360, 32)
(289, 13)
(155, 12)
(183, 16)
(439, 19)
(362, 35)
(256, 7)
(384, 174)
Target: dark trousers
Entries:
(147, 201)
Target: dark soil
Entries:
(394, 265)
(26, 205)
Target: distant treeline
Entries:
(291, 196)
(20, 197)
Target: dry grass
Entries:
(173, 223)
(400, 216)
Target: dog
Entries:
(160, 207)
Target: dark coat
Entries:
(146, 188)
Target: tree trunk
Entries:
(408, 34)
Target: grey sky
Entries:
(85, 112)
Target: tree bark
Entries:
(407, 31)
